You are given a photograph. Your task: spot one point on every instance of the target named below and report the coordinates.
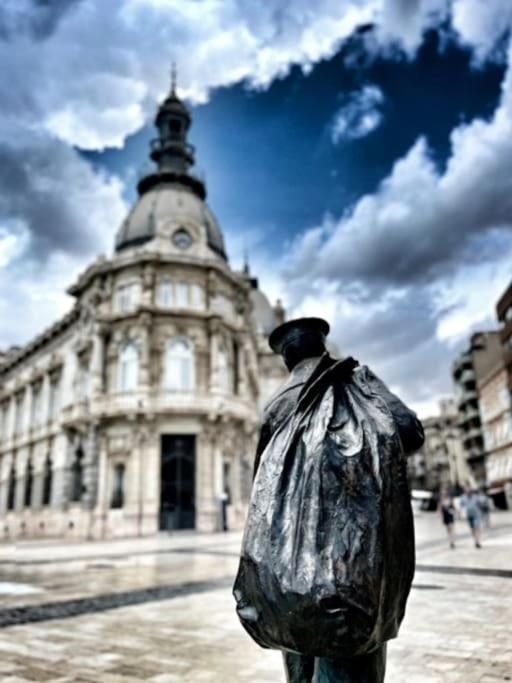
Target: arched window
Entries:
(117, 500)
(29, 481)
(128, 367)
(180, 365)
(77, 477)
(47, 480)
(11, 491)
(224, 370)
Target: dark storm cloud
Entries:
(401, 323)
(83, 74)
(421, 224)
(51, 195)
(35, 19)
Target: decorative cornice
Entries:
(45, 337)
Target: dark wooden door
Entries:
(178, 476)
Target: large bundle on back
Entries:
(328, 553)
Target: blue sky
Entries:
(277, 143)
(359, 150)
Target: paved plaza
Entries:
(161, 610)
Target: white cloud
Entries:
(421, 223)
(482, 25)
(389, 274)
(56, 214)
(422, 260)
(403, 22)
(95, 78)
(359, 115)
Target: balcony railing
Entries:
(468, 415)
(467, 395)
(473, 434)
(467, 375)
(170, 145)
(462, 363)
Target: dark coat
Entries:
(281, 404)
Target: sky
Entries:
(359, 151)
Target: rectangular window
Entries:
(117, 498)
(128, 367)
(4, 417)
(37, 399)
(128, 296)
(236, 367)
(166, 294)
(82, 377)
(182, 295)
(197, 297)
(54, 398)
(18, 413)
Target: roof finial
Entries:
(247, 269)
(174, 78)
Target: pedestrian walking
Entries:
(469, 502)
(447, 511)
(485, 508)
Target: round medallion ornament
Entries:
(182, 239)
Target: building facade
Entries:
(138, 410)
(496, 401)
(472, 366)
(440, 463)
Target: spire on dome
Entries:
(171, 151)
(174, 78)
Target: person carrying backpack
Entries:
(327, 557)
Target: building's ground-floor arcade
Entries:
(130, 478)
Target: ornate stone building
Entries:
(440, 463)
(138, 410)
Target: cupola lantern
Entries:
(171, 152)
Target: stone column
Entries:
(61, 480)
(37, 483)
(148, 285)
(102, 499)
(207, 503)
(90, 473)
(145, 321)
(4, 475)
(97, 360)
(214, 330)
(20, 487)
(139, 480)
(147, 467)
(243, 387)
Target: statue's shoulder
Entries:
(284, 397)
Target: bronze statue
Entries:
(327, 557)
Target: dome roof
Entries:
(159, 205)
(263, 314)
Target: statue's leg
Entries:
(299, 668)
(368, 668)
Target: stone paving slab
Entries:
(457, 627)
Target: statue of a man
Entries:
(302, 342)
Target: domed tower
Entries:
(137, 411)
(171, 214)
(177, 363)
